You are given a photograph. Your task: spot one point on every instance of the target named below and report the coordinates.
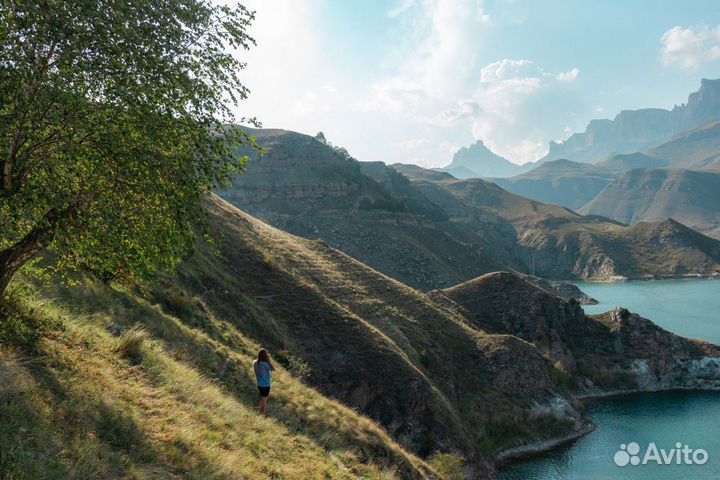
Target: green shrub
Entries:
(268, 261)
(560, 377)
(22, 325)
(295, 365)
(425, 359)
(448, 466)
(131, 345)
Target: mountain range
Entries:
(478, 161)
(412, 335)
(691, 197)
(677, 178)
(639, 130)
(430, 230)
(374, 379)
(632, 131)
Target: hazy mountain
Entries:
(690, 197)
(698, 148)
(372, 377)
(436, 231)
(478, 161)
(571, 184)
(639, 130)
(627, 161)
(560, 243)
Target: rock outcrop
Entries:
(638, 130)
(615, 352)
(478, 161)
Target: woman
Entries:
(263, 367)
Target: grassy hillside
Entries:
(171, 397)
(155, 381)
(174, 394)
(697, 148)
(562, 182)
(560, 243)
(80, 403)
(690, 197)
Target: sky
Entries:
(412, 81)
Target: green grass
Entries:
(77, 402)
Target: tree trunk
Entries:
(14, 257)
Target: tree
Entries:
(114, 122)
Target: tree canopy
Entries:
(115, 120)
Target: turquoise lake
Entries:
(687, 307)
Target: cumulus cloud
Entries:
(426, 98)
(569, 76)
(434, 56)
(690, 47)
(516, 107)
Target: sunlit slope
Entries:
(432, 380)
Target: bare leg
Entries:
(264, 406)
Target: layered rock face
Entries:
(301, 168)
(614, 352)
(554, 242)
(368, 210)
(638, 130)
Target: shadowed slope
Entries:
(559, 243)
(690, 197)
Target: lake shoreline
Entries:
(512, 455)
(526, 451)
(645, 278)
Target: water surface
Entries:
(692, 418)
(687, 307)
(690, 308)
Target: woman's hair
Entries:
(264, 356)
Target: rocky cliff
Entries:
(618, 351)
(478, 161)
(637, 130)
(559, 243)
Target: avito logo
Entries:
(629, 454)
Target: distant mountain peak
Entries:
(477, 160)
(468, 156)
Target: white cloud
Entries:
(504, 69)
(690, 47)
(400, 7)
(434, 55)
(467, 108)
(427, 97)
(516, 107)
(569, 76)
